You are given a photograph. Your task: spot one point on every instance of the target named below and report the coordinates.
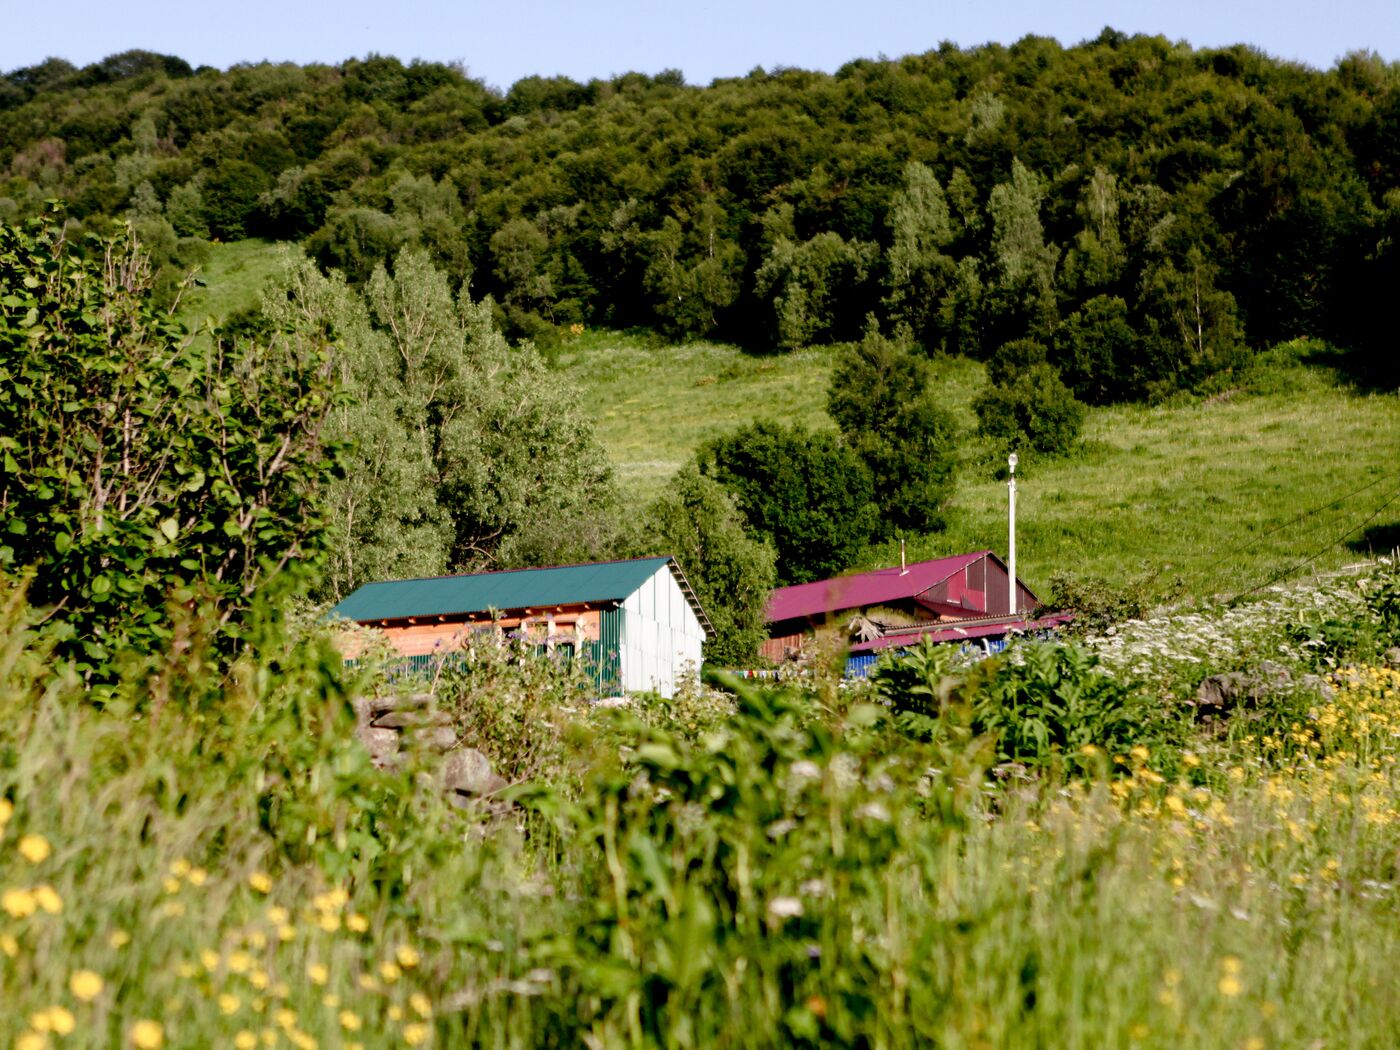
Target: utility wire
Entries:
(1394, 497)
(1306, 514)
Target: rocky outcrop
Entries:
(397, 728)
(1222, 693)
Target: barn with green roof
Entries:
(637, 623)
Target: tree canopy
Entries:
(975, 195)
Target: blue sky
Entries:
(504, 40)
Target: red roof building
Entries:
(959, 598)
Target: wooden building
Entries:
(963, 598)
(637, 622)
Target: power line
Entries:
(1394, 497)
(1306, 514)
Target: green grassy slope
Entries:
(1205, 491)
(233, 280)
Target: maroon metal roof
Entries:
(865, 588)
(953, 633)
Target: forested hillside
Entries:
(1143, 211)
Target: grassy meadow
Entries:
(1205, 490)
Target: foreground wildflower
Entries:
(35, 848)
(18, 903)
(85, 985)
(147, 1035)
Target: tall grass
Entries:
(788, 868)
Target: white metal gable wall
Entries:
(661, 636)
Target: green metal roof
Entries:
(511, 589)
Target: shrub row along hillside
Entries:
(1139, 210)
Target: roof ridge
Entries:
(525, 568)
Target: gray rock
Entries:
(382, 705)
(467, 771)
(1224, 692)
(430, 738)
(383, 744)
(412, 719)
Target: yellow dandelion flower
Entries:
(245, 1040)
(415, 1034)
(7, 810)
(356, 922)
(269, 1036)
(147, 1034)
(389, 971)
(198, 877)
(1138, 1031)
(395, 1012)
(330, 1000)
(350, 1021)
(257, 940)
(180, 868)
(187, 971)
(229, 1004)
(1231, 964)
(40, 1021)
(47, 898)
(85, 985)
(35, 848)
(421, 1006)
(61, 1020)
(302, 1040)
(9, 945)
(286, 1019)
(408, 956)
(240, 962)
(328, 921)
(260, 881)
(1230, 985)
(1139, 752)
(277, 915)
(1254, 1042)
(286, 932)
(118, 939)
(1189, 760)
(209, 959)
(18, 903)
(281, 989)
(259, 979)
(316, 973)
(367, 982)
(170, 884)
(31, 1041)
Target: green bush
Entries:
(806, 493)
(1035, 411)
(142, 468)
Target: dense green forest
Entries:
(1143, 212)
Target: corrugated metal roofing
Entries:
(956, 632)
(510, 589)
(865, 588)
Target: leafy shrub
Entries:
(141, 467)
(882, 398)
(805, 492)
(1036, 409)
(767, 841)
(1051, 704)
(697, 522)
